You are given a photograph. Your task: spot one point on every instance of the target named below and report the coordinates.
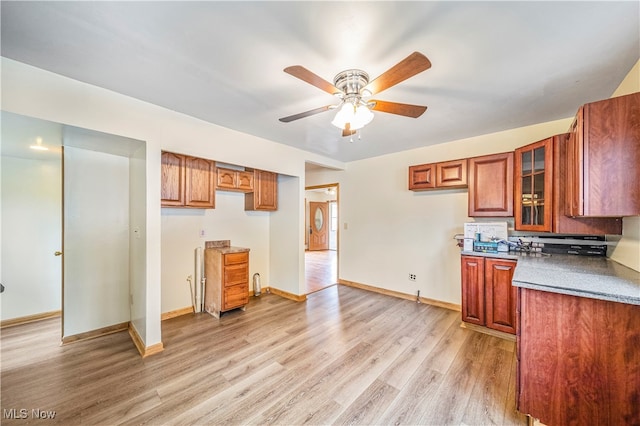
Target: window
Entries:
(333, 212)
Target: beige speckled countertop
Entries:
(586, 276)
(229, 249)
(224, 247)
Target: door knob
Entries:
(57, 253)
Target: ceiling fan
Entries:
(353, 88)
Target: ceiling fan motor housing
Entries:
(351, 82)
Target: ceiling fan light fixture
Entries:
(357, 116)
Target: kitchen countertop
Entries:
(224, 247)
(229, 249)
(586, 276)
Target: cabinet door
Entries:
(473, 290)
(533, 186)
(172, 180)
(226, 179)
(235, 258)
(265, 192)
(574, 166)
(500, 295)
(422, 177)
(491, 185)
(611, 157)
(235, 296)
(200, 183)
(244, 181)
(236, 274)
(451, 174)
(562, 222)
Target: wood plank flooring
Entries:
(321, 269)
(345, 356)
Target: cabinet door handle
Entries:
(57, 253)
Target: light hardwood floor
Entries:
(321, 269)
(345, 356)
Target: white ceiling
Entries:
(496, 65)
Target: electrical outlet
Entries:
(412, 277)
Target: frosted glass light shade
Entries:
(357, 116)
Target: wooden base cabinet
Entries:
(227, 280)
(578, 359)
(488, 298)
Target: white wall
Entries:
(96, 240)
(31, 233)
(286, 244)
(181, 234)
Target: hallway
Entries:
(321, 269)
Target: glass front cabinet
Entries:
(533, 186)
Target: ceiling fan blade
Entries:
(407, 110)
(408, 67)
(305, 114)
(305, 75)
(347, 130)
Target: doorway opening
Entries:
(321, 238)
(76, 210)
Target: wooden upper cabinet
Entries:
(541, 188)
(234, 180)
(200, 188)
(491, 185)
(422, 177)
(187, 181)
(173, 179)
(265, 192)
(451, 174)
(604, 158)
(533, 186)
(562, 187)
